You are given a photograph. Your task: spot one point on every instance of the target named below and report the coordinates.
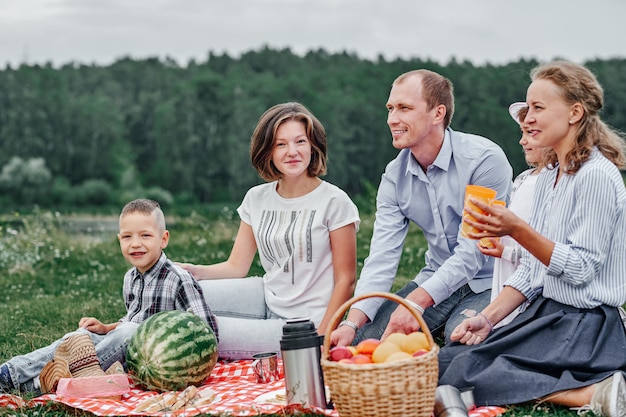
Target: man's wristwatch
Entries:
(350, 324)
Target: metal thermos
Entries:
(300, 349)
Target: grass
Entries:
(51, 277)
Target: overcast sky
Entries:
(481, 31)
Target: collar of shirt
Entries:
(153, 272)
(442, 161)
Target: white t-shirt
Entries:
(522, 197)
(293, 241)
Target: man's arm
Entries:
(380, 267)
(379, 270)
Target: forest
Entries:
(83, 135)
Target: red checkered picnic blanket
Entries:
(235, 387)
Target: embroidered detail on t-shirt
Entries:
(283, 235)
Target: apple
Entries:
(420, 352)
(340, 352)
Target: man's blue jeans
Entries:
(445, 316)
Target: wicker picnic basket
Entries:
(396, 389)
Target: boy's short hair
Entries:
(145, 206)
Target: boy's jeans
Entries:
(111, 347)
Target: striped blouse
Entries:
(585, 215)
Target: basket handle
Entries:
(334, 321)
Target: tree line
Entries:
(88, 134)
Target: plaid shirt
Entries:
(162, 288)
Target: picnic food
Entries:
(414, 342)
(396, 346)
(170, 351)
(361, 358)
(273, 397)
(403, 388)
(340, 352)
(398, 356)
(384, 350)
(396, 338)
(367, 346)
(173, 401)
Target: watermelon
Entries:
(170, 351)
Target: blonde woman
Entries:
(567, 346)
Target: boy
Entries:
(152, 285)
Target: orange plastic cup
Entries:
(486, 241)
(478, 192)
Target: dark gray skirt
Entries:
(549, 347)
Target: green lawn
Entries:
(55, 270)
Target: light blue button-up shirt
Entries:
(434, 201)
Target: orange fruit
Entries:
(414, 342)
(384, 350)
(398, 356)
(367, 346)
(353, 350)
(397, 338)
(362, 358)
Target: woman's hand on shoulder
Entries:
(191, 268)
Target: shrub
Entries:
(164, 197)
(25, 181)
(93, 192)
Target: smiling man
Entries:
(425, 184)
